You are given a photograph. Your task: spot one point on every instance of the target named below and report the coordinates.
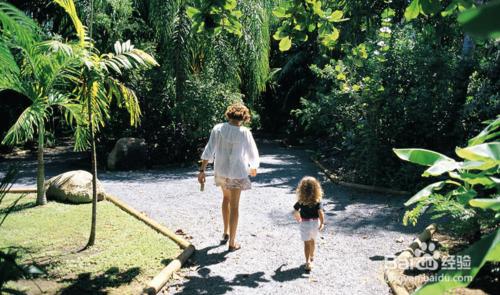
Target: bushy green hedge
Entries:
(420, 92)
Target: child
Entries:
(309, 212)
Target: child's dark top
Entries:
(308, 211)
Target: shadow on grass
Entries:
(86, 283)
(17, 207)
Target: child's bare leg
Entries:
(307, 252)
(311, 249)
(225, 210)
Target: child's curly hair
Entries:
(309, 191)
(239, 112)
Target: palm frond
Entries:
(26, 124)
(7, 60)
(127, 99)
(17, 26)
(70, 107)
(57, 46)
(127, 57)
(81, 31)
(99, 103)
(82, 138)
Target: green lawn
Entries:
(126, 256)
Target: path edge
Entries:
(160, 280)
(365, 187)
(391, 275)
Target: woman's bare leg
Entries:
(225, 209)
(233, 215)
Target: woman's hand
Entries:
(253, 172)
(201, 177)
(321, 226)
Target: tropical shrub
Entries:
(471, 183)
(469, 196)
(33, 69)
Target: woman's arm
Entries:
(208, 155)
(201, 175)
(321, 219)
(253, 154)
(209, 151)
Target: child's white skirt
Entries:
(309, 229)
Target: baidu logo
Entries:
(429, 256)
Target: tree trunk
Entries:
(93, 225)
(94, 178)
(40, 176)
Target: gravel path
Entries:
(360, 229)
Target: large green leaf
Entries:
(477, 165)
(486, 249)
(281, 12)
(493, 204)
(425, 192)
(483, 21)
(441, 167)
(285, 44)
(488, 133)
(481, 152)
(413, 10)
(482, 179)
(421, 156)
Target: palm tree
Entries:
(39, 73)
(98, 85)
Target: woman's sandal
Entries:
(225, 238)
(234, 248)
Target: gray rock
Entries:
(73, 187)
(128, 154)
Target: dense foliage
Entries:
(392, 75)
(419, 83)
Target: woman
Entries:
(233, 148)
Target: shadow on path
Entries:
(204, 283)
(289, 274)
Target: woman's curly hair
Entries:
(238, 112)
(309, 191)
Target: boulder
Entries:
(73, 187)
(128, 153)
